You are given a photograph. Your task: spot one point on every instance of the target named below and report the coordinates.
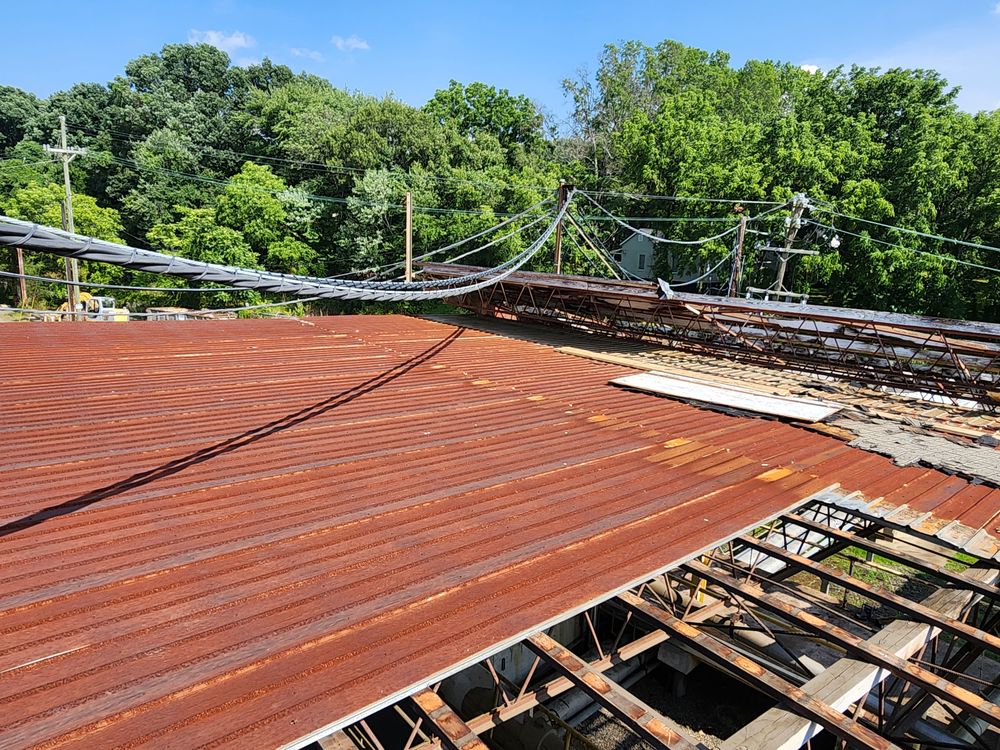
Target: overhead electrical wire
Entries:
(34, 237)
(906, 230)
(244, 308)
(222, 182)
(666, 240)
(117, 135)
(683, 198)
(707, 273)
(123, 287)
(947, 258)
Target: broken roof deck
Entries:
(254, 532)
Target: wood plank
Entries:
(454, 733)
(946, 691)
(767, 682)
(915, 610)
(849, 680)
(647, 723)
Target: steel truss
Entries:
(754, 582)
(959, 360)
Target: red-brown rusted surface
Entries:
(234, 533)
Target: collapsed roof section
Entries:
(950, 358)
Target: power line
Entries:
(707, 273)
(948, 258)
(685, 219)
(906, 230)
(123, 287)
(314, 165)
(655, 238)
(244, 308)
(683, 198)
(132, 164)
(17, 233)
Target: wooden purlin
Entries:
(901, 668)
(719, 654)
(647, 723)
(958, 359)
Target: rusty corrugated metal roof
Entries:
(240, 532)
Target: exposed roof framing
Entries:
(642, 719)
(673, 616)
(225, 567)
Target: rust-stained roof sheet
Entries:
(236, 533)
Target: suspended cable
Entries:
(707, 273)
(116, 135)
(95, 285)
(905, 230)
(655, 238)
(351, 200)
(34, 237)
(662, 219)
(682, 198)
(948, 258)
(206, 311)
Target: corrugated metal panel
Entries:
(238, 532)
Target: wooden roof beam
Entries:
(778, 688)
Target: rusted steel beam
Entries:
(954, 358)
(723, 657)
(454, 733)
(638, 717)
(855, 540)
(915, 610)
(905, 670)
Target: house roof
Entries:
(252, 532)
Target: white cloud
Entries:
(220, 39)
(996, 9)
(309, 53)
(809, 68)
(349, 44)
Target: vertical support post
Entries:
(67, 155)
(799, 203)
(560, 202)
(736, 276)
(72, 265)
(22, 287)
(409, 236)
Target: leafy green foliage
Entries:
(189, 154)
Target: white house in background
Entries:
(636, 255)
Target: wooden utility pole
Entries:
(799, 204)
(67, 155)
(736, 275)
(409, 236)
(22, 287)
(561, 194)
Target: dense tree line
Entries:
(263, 167)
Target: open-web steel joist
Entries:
(904, 677)
(955, 359)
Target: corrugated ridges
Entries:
(176, 568)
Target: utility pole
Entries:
(21, 286)
(561, 195)
(67, 155)
(409, 236)
(734, 277)
(799, 205)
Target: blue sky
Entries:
(412, 49)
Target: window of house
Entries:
(642, 261)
